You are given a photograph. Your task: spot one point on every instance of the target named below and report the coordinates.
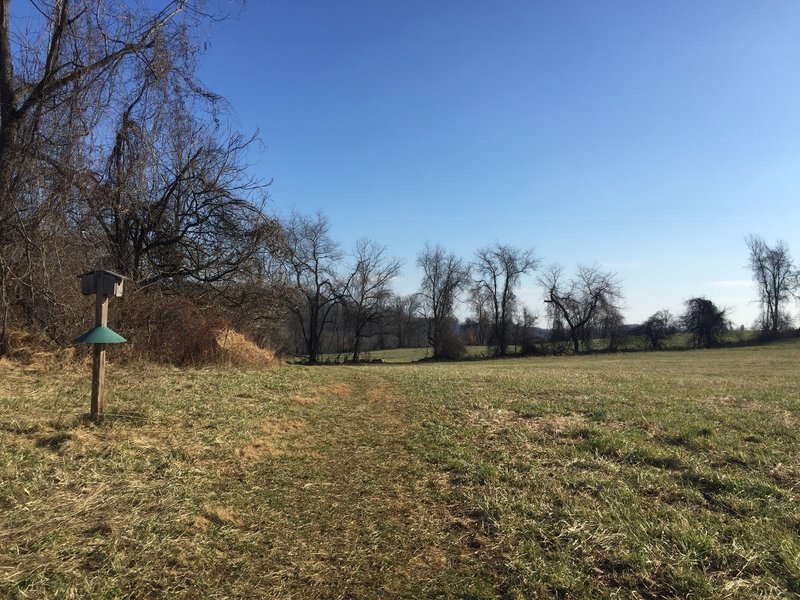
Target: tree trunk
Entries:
(312, 342)
(576, 343)
(357, 347)
(502, 341)
(433, 337)
(5, 307)
(8, 120)
(775, 316)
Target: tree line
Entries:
(114, 155)
(338, 306)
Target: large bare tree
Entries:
(367, 290)
(312, 257)
(174, 202)
(777, 280)
(581, 299)
(444, 277)
(497, 270)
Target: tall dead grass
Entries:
(171, 330)
(233, 348)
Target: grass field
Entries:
(408, 355)
(650, 475)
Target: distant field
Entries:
(646, 475)
(405, 355)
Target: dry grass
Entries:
(314, 395)
(275, 439)
(234, 349)
(35, 353)
(636, 476)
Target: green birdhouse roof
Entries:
(101, 335)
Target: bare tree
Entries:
(405, 312)
(497, 270)
(705, 321)
(311, 260)
(178, 204)
(444, 278)
(610, 324)
(580, 299)
(526, 337)
(70, 56)
(657, 327)
(777, 280)
(367, 291)
(479, 301)
(76, 45)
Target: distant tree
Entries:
(610, 324)
(367, 291)
(657, 327)
(607, 323)
(497, 270)
(559, 339)
(479, 301)
(579, 300)
(705, 321)
(525, 337)
(311, 261)
(468, 331)
(404, 318)
(444, 277)
(777, 280)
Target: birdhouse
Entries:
(107, 283)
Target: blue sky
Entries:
(647, 137)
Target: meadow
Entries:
(634, 475)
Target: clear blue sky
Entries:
(648, 137)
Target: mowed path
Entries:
(359, 512)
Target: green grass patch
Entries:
(647, 475)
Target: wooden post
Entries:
(99, 351)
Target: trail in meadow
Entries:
(358, 514)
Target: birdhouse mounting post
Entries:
(99, 352)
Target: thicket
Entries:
(114, 156)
